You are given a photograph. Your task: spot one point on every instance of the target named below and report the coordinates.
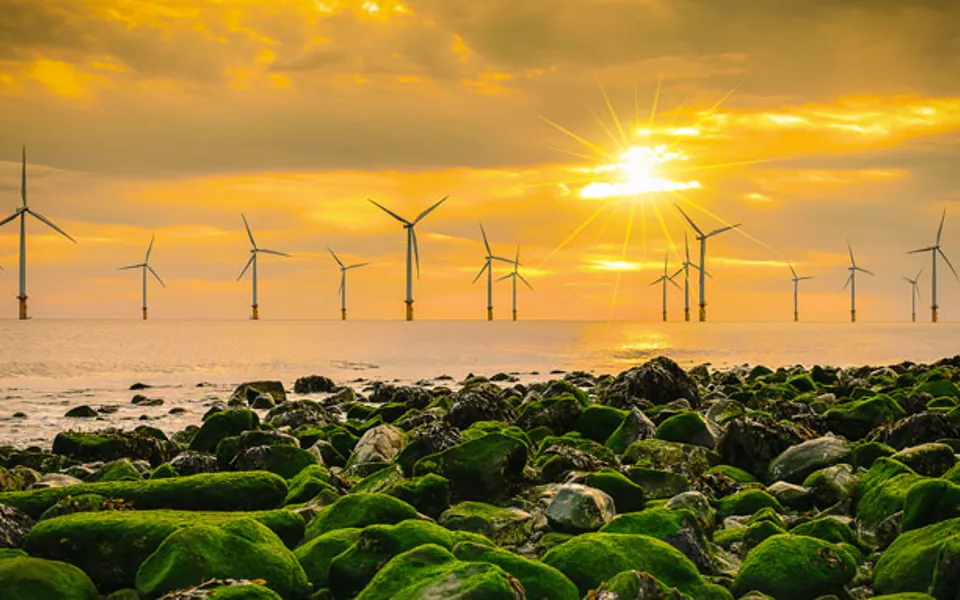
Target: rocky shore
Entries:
(657, 483)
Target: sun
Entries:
(638, 171)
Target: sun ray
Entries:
(623, 256)
(613, 113)
(606, 222)
(590, 145)
(758, 161)
(726, 223)
(643, 225)
(606, 129)
(574, 233)
(574, 153)
(666, 230)
(656, 101)
(560, 182)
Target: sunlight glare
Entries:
(638, 174)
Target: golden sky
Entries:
(173, 117)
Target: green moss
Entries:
(482, 428)
(738, 475)
(635, 584)
(573, 440)
(486, 468)
(929, 502)
(802, 383)
(589, 559)
(912, 562)
(285, 461)
(359, 510)
(660, 523)
(207, 491)
(351, 570)
(222, 425)
(112, 446)
(378, 481)
(748, 537)
(854, 420)
(71, 504)
(883, 491)
(164, 471)
(505, 526)
(827, 529)
(242, 549)
(558, 414)
(429, 494)
(25, 578)
(939, 387)
(551, 540)
(118, 470)
(244, 592)
(598, 422)
(316, 555)
(865, 453)
(658, 484)
(685, 428)
(747, 502)
(431, 571)
(661, 454)
(110, 546)
(540, 582)
(310, 483)
(793, 567)
(627, 496)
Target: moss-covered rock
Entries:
(557, 414)
(627, 495)
(209, 491)
(686, 428)
(316, 555)
(25, 578)
(487, 468)
(222, 425)
(744, 539)
(929, 502)
(431, 571)
(429, 494)
(82, 503)
(113, 445)
(164, 471)
(598, 422)
(505, 526)
(636, 426)
(631, 585)
(661, 454)
(285, 461)
(118, 470)
(865, 453)
(242, 549)
(747, 502)
(931, 460)
(359, 510)
(853, 420)
(793, 567)
(309, 483)
(923, 560)
(110, 546)
(540, 582)
(657, 484)
(679, 528)
(883, 491)
(829, 529)
(833, 484)
(590, 559)
(796, 463)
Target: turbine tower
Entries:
(702, 238)
(914, 294)
(852, 282)
(488, 267)
(664, 279)
(413, 252)
(145, 266)
(685, 268)
(342, 290)
(934, 250)
(515, 274)
(22, 211)
(796, 292)
(254, 251)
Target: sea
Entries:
(49, 366)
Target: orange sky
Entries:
(174, 116)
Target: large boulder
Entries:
(250, 391)
(486, 468)
(794, 567)
(25, 578)
(679, 528)
(796, 463)
(113, 444)
(925, 560)
(578, 508)
(479, 403)
(378, 446)
(752, 442)
(539, 581)
(221, 425)
(314, 384)
(242, 549)
(659, 381)
(359, 510)
(505, 526)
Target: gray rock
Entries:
(250, 390)
(378, 445)
(55, 480)
(932, 460)
(833, 484)
(797, 462)
(192, 463)
(698, 504)
(578, 509)
(659, 381)
(14, 526)
(791, 495)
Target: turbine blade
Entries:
(265, 251)
(850, 249)
(791, 270)
(947, 260)
(686, 246)
(429, 210)
(23, 177)
(917, 289)
(389, 212)
(149, 249)
(918, 274)
(723, 229)
(847, 284)
(523, 279)
(11, 217)
(866, 271)
(49, 224)
(335, 257)
(940, 229)
(154, 273)
(128, 267)
(680, 270)
(357, 266)
(689, 220)
(803, 278)
(416, 249)
(516, 261)
(244, 271)
(908, 280)
(249, 233)
(655, 282)
(507, 276)
(918, 251)
(485, 242)
(485, 266)
(502, 259)
(670, 279)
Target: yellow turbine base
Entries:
(514, 315)
(255, 315)
(853, 316)
(914, 317)
(489, 313)
(343, 314)
(144, 309)
(686, 314)
(409, 309)
(664, 316)
(934, 317)
(23, 307)
(703, 313)
(796, 317)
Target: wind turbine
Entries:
(488, 267)
(343, 282)
(515, 274)
(22, 211)
(413, 252)
(914, 294)
(145, 266)
(702, 238)
(685, 268)
(254, 251)
(934, 250)
(796, 292)
(852, 282)
(664, 279)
